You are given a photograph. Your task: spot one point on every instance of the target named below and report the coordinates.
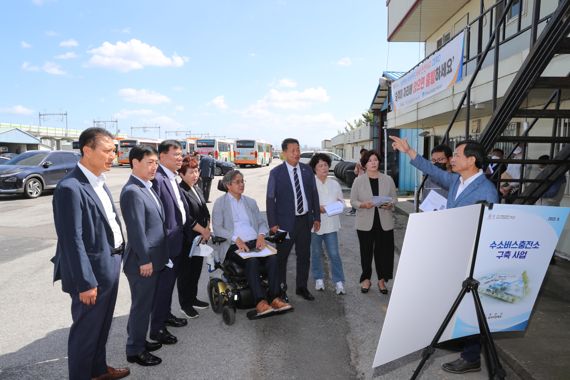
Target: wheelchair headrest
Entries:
(278, 237)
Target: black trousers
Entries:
(301, 239)
(377, 244)
(252, 273)
(166, 279)
(206, 186)
(189, 271)
(142, 297)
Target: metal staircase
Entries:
(528, 82)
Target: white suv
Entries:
(335, 159)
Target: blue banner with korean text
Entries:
(515, 247)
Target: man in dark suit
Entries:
(146, 253)
(175, 208)
(88, 256)
(293, 205)
(207, 171)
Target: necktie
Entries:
(298, 193)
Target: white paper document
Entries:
(198, 249)
(334, 208)
(433, 202)
(379, 200)
(267, 251)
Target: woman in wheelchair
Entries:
(237, 218)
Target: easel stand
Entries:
(470, 285)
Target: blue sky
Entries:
(245, 69)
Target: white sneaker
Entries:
(320, 285)
(340, 288)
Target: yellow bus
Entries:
(253, 152)
(125, 146)
(221, 149)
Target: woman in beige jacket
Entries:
(374, 221)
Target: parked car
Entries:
(222, 167)
(4, 159)
(335, 158)
(32, 172)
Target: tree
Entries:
(366, 118)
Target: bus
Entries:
(222, 149)
(190, 145)
(253, 152)
(125, 146)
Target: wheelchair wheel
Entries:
(216, 298)
(229, 315)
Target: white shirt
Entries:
(329, 192)
(148, 185)
(242, 224)
(172, 178)
(292, 178)
(97, 184)
(463, 184)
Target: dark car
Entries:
(32, 172)
(222, 167)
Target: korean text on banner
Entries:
(438, 72)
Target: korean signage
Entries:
(439, 71)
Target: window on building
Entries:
(446, 37)
(515, 9)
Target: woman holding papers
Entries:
(197, 223)
(238, 219)
(374, 195)
(332, 204)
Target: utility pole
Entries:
(146, 128)
(42, 116)
(103, 124)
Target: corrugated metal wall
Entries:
(410, 177)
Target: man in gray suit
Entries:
(88, 256)
(146, 252)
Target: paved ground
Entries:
(334, 337)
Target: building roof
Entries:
(380, 100)
(16, 136)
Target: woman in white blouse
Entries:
(329, 192)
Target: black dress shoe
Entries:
(173, 321)
(304, 292)
(284, 296)
(145, 358)
(152, 346)
(164, 336)
(461, 366)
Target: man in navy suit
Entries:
(467, 185)
(207, 171)
(88, 255)
(175, 209)
(293, 205)
(146, 253)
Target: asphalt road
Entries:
(333, 337)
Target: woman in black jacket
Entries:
(197, 223)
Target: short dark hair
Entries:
(165, 146)
(544, 157)
(90, 136)
(319, 157)
(363, 150)
(288, 141)
(443, 149)
(138, 152)
(364, 160)
(498, 150)
(188, 162)
(473, 149)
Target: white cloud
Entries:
(344, 61)
(25, 45)
(70, 43)
(143, 96)
(17, 110)
(126, 113)
(48, 67)
(68, 55)
(131, 55)
(287, 83)
(52, 68)
(51, 33)
(219, 102)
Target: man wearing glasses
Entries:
(440, 157)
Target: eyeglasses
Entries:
(239, 182)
